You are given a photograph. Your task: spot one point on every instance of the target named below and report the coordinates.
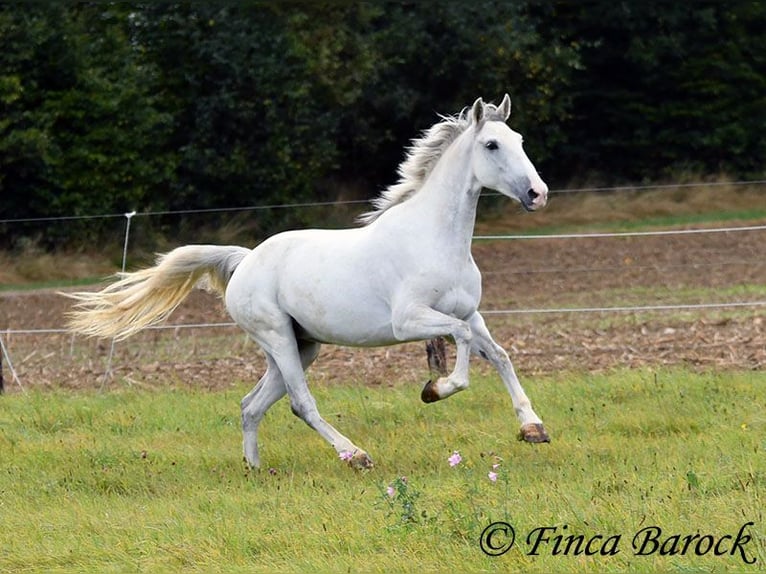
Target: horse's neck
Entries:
(446, 204)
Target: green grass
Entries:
(153, 481)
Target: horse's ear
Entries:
(477, 111)
(505, 107)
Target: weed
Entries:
(400, 498)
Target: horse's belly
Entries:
(349, 334)
(341, 323)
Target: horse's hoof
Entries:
(534, 432)
(429, 393)
(361, 461)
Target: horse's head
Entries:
(499, 161)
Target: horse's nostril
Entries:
(533, 194)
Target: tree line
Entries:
(110, 107)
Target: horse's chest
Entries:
(458, 297)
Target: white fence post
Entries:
(108, 371)
(14, 376)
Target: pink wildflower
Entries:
(455, 459)
(492, 475)
(390, 491)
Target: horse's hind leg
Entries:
(268, 391)
(278, 341)
(436, 354)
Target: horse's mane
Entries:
(421, 158)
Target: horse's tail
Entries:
(143, 298)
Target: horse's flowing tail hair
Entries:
(146, 297)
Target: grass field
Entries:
(152, 480)
(650, 469)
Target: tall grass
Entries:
(153, 480)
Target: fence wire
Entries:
(638, 308)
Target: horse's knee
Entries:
(463, 334)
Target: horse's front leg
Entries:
(423, 322)
(532, 429)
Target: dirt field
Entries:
(518, 275)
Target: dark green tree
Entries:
(436, 57)
(665, 87)
(80, 133)
(106, 108)
(257, 93)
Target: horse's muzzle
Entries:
(535, 198)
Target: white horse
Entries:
(406, 274)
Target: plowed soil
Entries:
(519, 275)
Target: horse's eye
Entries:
(491, 145)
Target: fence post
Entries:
(14, 376)
(108, 371)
